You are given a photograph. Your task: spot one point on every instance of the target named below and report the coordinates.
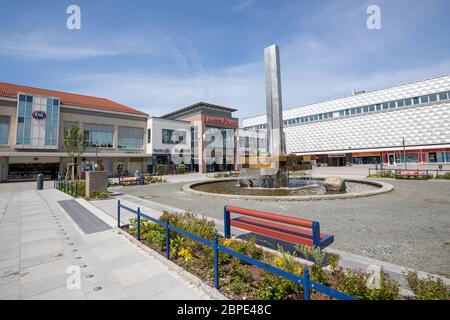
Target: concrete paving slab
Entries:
(137, 272)
(62, 293)
(40, 245)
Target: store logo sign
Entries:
(39, 115)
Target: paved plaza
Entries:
(409, 226)
(39, 242)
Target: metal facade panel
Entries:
(421, 125)
(394, 93)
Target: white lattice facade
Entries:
(374, 124)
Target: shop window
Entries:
(4, 130)
(173, 136)
(131, 138)
(98, 135)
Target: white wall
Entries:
(157, 147)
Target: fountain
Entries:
(276, 175)
(272, 169)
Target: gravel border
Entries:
(384, 188)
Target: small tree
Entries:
(75, 147)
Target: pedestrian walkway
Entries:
(39, 243)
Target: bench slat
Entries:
(273, 234)
(298, 231)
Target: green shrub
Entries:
(382, 174)
(314, 254)
(273, 287)
(161, 169)
(247, 247)
(443, 176)
(153, 180)
(333, 260)
(241, 277)
(429, 288)
(99, 195)
(181, 168)
(355, 283)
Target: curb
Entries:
(384, 188)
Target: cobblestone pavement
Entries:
(38, 242)
(409, 226)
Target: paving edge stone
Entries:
(384, 188)
(181, 273)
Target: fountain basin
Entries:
(229, 188)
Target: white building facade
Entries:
(410, 122)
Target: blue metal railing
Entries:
(68, 187)
(304, 281)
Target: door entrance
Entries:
(391, 159)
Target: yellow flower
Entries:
(185, 253)
(279, 261)
(227, 242)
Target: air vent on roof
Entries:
(356, 92)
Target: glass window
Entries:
(401, 103)
(416, 100)
(378, 107)
(371, 108)
(392, 105)
(443, 96)
(447, 157)
(98, 135)
(408, 102)
(4, 130)
(385, 106)
(424, 99)
(173, 136)
(433, 97)
(131, 138)
(149, 135)
(353, 111)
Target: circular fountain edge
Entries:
(384, 187)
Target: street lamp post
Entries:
(404, 152)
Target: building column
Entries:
(4, 169)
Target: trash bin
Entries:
(40, 181)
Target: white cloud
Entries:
(38, 47)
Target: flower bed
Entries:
(239, 280)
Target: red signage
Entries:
(224, 122)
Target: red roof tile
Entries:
(11, 90)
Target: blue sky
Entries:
(162, 55)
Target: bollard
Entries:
(40, 181)
(118, 213)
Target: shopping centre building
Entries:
(407, 122)
(32, 124)
(201, 136)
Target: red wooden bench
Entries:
(411, 174)
(130, 180)
(286, 228)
